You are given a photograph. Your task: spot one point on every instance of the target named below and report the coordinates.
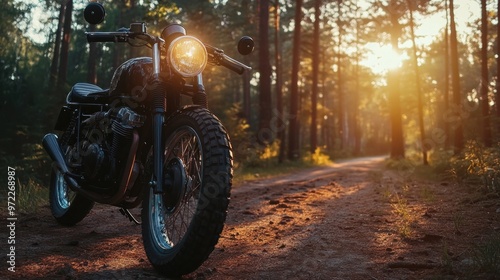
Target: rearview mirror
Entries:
(94, 13)
(246, 45)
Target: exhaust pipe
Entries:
(52, 147)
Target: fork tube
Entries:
(199, 80)
(159, 90)
(158, 150)
(200, 96)
(156, 58)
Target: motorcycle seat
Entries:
(87, 93)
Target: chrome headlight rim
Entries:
(174, 63)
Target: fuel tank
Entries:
(131, 78)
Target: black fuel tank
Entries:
(131, 78)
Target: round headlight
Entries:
(187, 56)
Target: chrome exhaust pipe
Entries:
(52, 147)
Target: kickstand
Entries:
(129, 215)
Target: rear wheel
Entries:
(68, 208)
(181, 226)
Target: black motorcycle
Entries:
(134, 143)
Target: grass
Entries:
(427, 194)
(243, 173)
(31, 196)
(486, 256)
(267, 165)
(407, 218)
(446, 259)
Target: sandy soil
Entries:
(351, 220)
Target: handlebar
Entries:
(115, 37)
(234, 65)
(215, 55)
(218, 57)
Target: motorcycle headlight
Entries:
(187, 56)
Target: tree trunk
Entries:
(458, 142)
(357, 130)
(497, 96)
(247, 76)
(293, 135)
(92, 61)
(340, 105)
(63, 67)
(265, 134)
(447, 79)
(54, 66)
(484, 77)
(397, 140)
(279, 84)
(315, 78)
(418, 86)
(246, 95)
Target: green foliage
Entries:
(319, 157)
(30, 196)
(486, 256)
(406, 217)
(478, 166)
(246, 173)
(239, 132)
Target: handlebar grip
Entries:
(106, 37)
(234, 65)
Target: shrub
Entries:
(478, 165)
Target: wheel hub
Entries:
(175, 183)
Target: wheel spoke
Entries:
(64, 195)
(173, 223)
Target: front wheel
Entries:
(181, 226)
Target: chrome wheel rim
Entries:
(169, 225)
(64, 195)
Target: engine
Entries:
(107, 138)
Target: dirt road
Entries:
(351, 220)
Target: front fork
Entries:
(158, 150)
(159, 92)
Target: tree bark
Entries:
(54, 66)
(63, 67)
(447, 140)
(484, 77)
(293, 135)
(418, 86)
(264, 134)
(92, 60)
(340, 93)
(280, 129)
(315, 78)
(247, 76)
(458, 141)
(357, 130)
(397, 140)
(497, 96)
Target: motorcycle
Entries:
(135, 144)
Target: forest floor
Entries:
(352, 220)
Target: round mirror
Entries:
(246, 45)
(94, 13)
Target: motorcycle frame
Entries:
(159, 92)
(162, 88)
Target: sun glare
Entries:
(382, 58)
